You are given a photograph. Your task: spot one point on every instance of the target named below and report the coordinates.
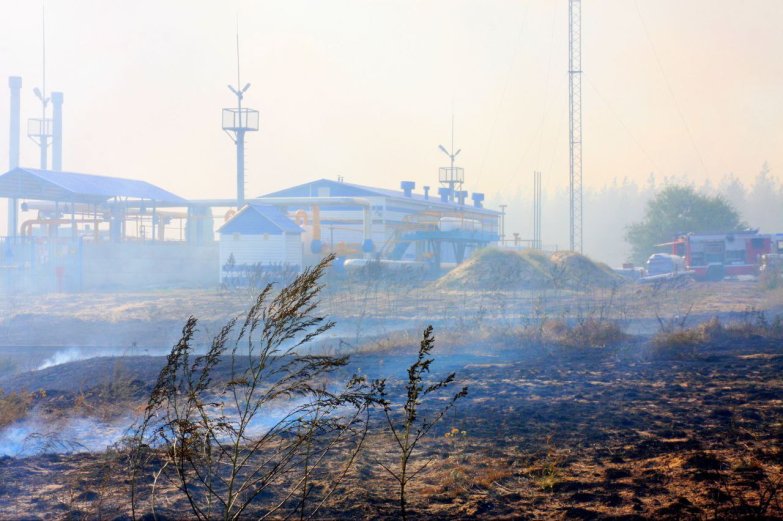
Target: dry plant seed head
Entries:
(210, 419)
(406, 426)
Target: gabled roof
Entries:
(336, 189)
(258, 219)
(47, 185)
(343, 189)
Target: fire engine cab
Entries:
(714, 256)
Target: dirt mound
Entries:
(494, 269)
(578, 271)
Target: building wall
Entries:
(265, 249)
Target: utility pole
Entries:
(503, 223)
(575, 120)
(537, 210)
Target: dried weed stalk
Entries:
(407, 426)
(213, 425)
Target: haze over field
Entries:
(681, 89)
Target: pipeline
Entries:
(27, 226)
(313, 202)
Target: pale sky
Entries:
(366, 89)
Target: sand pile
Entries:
(578, 271)
(495, 269)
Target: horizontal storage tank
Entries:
(355, 265)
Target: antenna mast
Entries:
(451, 175)
(575, 120)
(39, 130)
(236, 122)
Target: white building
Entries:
(259, 237)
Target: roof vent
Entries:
(461, 196)
(426, 193)
(444, 194)
(407, 187)
(477, 199)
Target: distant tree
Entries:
(763, 208)
(679, 209)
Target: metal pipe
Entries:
(240, 166)
(316, 223)
(15, 84)
(28, 225)
(57, 131)
(333, 201)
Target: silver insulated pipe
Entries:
(57, 131)
(15, 84)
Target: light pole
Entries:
(502, 223)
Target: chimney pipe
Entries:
(477, 199)
(426, 193)
(57, 131)
(407, 187)
(15, 83)
(444, 194)
(461, 195)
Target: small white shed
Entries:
(259, 237)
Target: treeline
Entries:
(609, 210)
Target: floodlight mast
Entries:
(236, 122)
(451, 180)
(451, 176)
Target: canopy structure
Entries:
(46, 185)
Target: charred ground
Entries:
(623, 429)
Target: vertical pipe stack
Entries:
(15, 84)
(57, 131)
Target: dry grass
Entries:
(14, 406)
(689, 343)
(586, 333)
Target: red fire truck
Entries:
(714, 256)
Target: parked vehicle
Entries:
(715, 256)
(664, 263)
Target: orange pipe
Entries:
(27, 226)
(300, 217)
(316, 222)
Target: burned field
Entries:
(546, 432)
(577, 417)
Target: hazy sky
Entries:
(366, 89)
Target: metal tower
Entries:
(575, 119)
(451, 176)
(40, 129)
(236, 122)
(537, 244)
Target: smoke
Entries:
(35, 435)
(75, 354)
(63, 357)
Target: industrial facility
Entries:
(71, 231)
(354, 221)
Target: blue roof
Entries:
(31, 183)
(258, 219)
(343, 189)
(336, 189)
